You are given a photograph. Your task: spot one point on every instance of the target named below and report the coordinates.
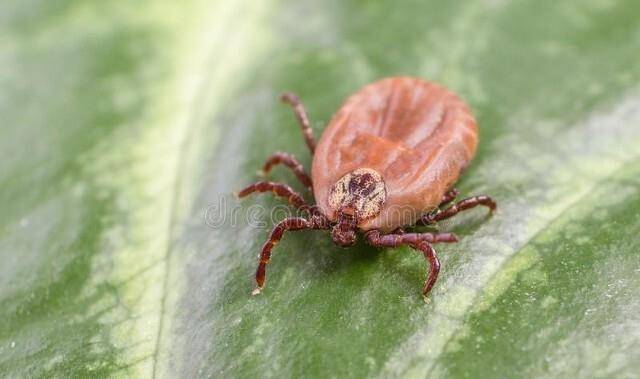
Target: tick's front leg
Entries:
(290, 161)
(419, 241)
(434, 267)
(375, 238)
(288, 224)
(302, 117)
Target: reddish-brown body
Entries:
(418, 135)
(386, 162)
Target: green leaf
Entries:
(124, 126)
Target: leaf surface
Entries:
(126, 128)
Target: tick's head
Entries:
(359, 195)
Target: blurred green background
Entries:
(121, 123)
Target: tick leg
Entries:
(434, 267)
(288, 224)
(302, 117)
(279, 189)
(458, 207)
(290, 161)
(419, 241)
(375, 238)
(449, 196)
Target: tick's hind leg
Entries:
(419, 241)
(462, 205)
(302, 117)
(290, 161)
(279, 189)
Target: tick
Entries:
(385, 164)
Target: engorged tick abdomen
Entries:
(418, 135)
